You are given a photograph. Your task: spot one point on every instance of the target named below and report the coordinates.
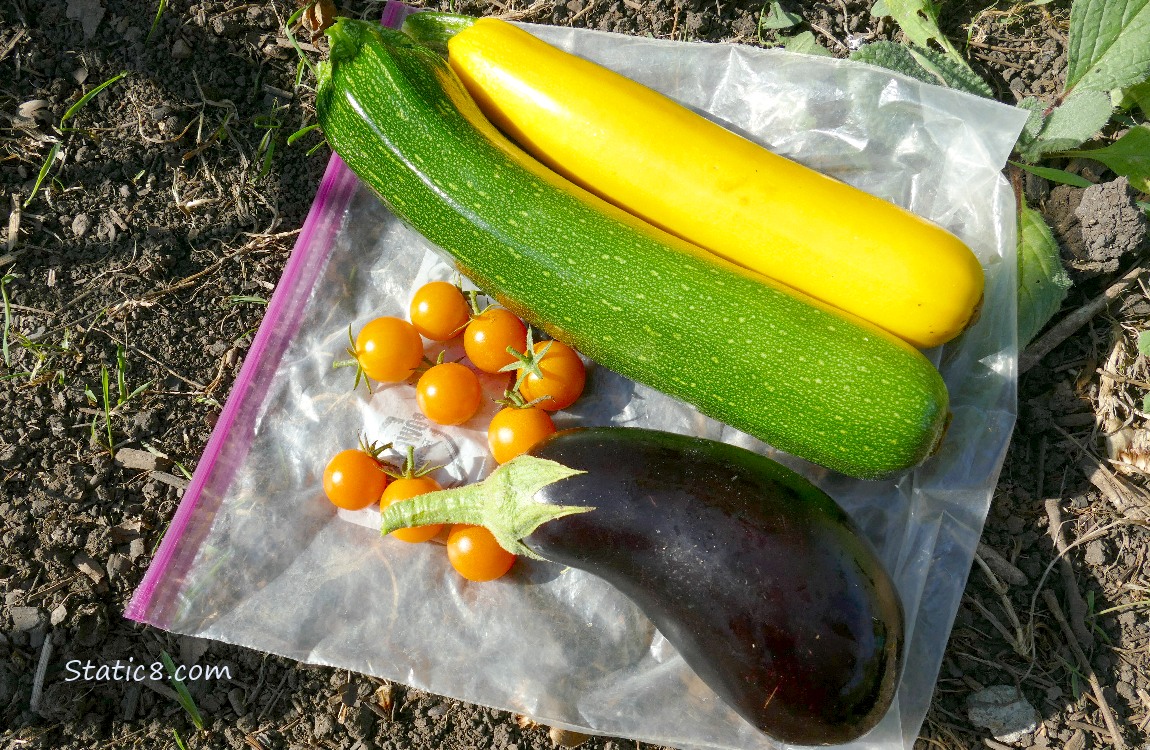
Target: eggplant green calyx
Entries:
(504, 503)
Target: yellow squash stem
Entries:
(662, 162)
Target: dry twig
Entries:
(1084, 664)
(1066, 328)
(1074, 598)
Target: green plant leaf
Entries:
(1028, 138)
(1060, 176)
(773, 17)
(183, 696)
(955, 75)
(1042, 281)
(1144, 343)
(1128, 156)
(923, 64)
(85, 99)
(1109, 44)
(918, 19)
(1074, 122)
(4, 281)
(47, 165)
(1139, 96)
(805, 43)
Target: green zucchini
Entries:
(753, 354)
(435, 28)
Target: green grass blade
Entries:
(299, 50)
(301, 133)
(105, 383)
(160, 8)
(47, 165)
(1055, 175)
(87, 98)
(236, 299)
(179, 740)
(185, 697)
(138, 390)
(121, 377)
(8, 277)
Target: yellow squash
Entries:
(658, 160)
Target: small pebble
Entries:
(81, 224)
(1004, 711)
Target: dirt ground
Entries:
(164, 224)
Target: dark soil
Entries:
(161, 226)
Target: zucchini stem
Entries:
(503, 503)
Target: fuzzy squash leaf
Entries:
(1028, 138)
(1144, 344)
(775, 17)
(924, 64)
(918, 19)
(805, 43)
(1109, 44)
(1076, 121)
(1042, 280)
(1128, 156)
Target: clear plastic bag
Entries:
(256, 556)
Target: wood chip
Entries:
(172, 480)
(89, 567)
(1002, 567)
(119, 222)
(134, 458)
(127, 531)
(567, 738)
(14, 223)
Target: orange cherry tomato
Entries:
(561, 377)
(439, 311)
(489, 334)
(353, 480)
(389, 349)
(476, 555)
(405, 488)
(514, 431)
(449, 393)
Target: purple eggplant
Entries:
(758, 578)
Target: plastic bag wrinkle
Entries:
(277, 569)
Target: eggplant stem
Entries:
(503, 503)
